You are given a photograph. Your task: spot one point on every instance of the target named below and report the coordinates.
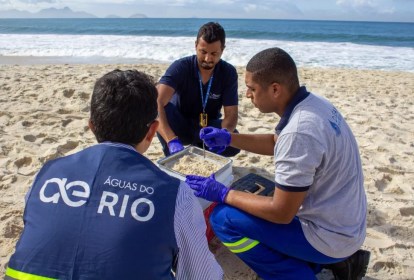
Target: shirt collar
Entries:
(299, 96)
(195, 65)
(119, 145)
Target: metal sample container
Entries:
(224, 173)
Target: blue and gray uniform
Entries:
(315, 152)
(108, 212)
(183, 110)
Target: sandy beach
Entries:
(44, 111)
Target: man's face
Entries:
(261, 97)
(208, 55)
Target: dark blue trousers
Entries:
(188, 130)
(273, 251)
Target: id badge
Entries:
(203, 119)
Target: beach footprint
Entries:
(67, 147)
(11, 221)
(382, 184)
(6, 181)
(387, 268)
(29, 138)
(376, 217)
(24, 161)
(68, 93)
(407, 211)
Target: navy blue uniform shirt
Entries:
(182, 75)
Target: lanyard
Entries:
(204, 98)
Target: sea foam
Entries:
(158, 49)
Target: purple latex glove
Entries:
(217, 139)
(175, 146)
(207, 188)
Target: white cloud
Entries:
(299, 9)
(250, 8)
(38, 1)
(356, 3)
(367, 6)
(269, 7)
(181, 3)
(27, 5)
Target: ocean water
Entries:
(357, 45)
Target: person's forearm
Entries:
(259, 206)
(230, 119)
(165, 94)
(164, 129)
(256, 143)
(229, 123)
(281, 208)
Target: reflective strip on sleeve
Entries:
(24, 276)
(242, 245)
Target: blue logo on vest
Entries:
(76, 193)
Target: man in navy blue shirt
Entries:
(193, 91)
(108, 212)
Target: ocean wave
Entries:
(238, 51)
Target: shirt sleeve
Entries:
(195, 261)
(297, 157)
(231, 96)
(174, 74)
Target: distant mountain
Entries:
(66, 12)
(138, 16)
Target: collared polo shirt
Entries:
(182, 76)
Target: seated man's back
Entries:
(108, 212)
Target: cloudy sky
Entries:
(371, 10)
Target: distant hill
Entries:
(65, 12)
(138, 16)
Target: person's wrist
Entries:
(175, 145)
(226, 192)
(171, 139)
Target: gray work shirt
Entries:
(317, 150)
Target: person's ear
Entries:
(275, 88)
(152, 130)
(91, 126)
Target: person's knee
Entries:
(217, 217)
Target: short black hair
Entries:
(212, 32)
(274, 65)
(123, 104)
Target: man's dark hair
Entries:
(123, 105)
(274, 65)
(212, 32)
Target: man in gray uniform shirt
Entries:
(317, 215)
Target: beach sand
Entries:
(44, 111)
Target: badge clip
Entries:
(203, 120)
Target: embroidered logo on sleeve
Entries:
(335, 121)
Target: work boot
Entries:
(353, 268)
